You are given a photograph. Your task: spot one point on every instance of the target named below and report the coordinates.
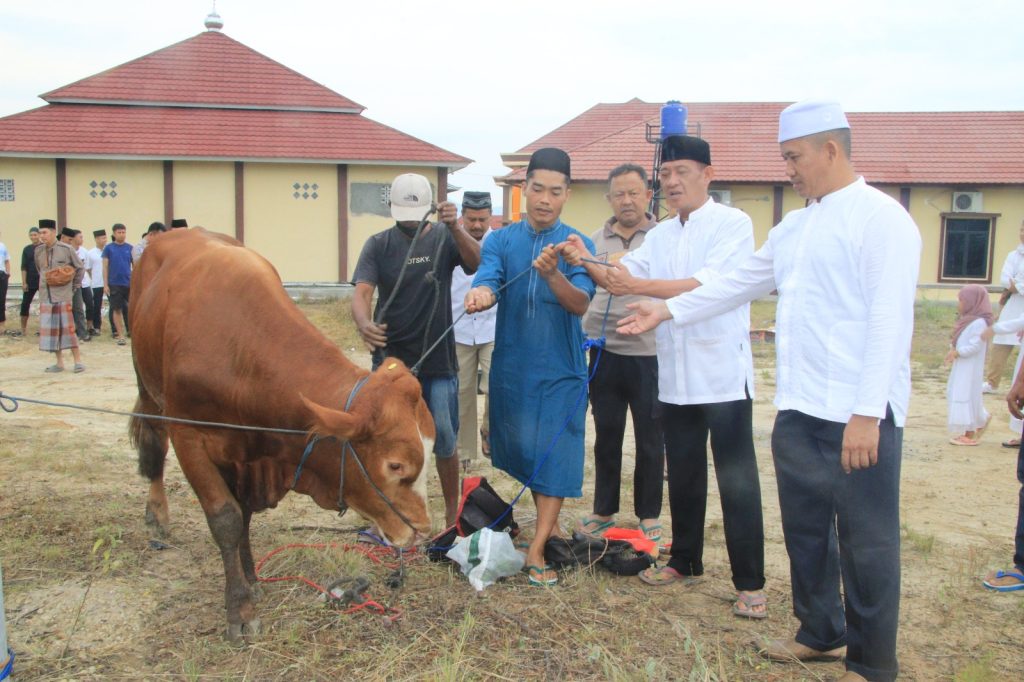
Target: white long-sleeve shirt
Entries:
(476, 329)
(709, 361)
(1013, 271)
(846, 271)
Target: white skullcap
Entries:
(810, 117)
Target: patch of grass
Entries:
(920, 542)
(978, 671)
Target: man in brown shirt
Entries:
(56, 320)
(627, 372)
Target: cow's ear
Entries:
(330, 422)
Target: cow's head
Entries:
(390, 428)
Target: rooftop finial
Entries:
(213, 21)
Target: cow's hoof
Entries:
(242, 633)
(154, 522)
(257, 591)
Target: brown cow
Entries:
(215, 338)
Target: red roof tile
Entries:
(888, 148)
(174, 132)
(209, 69)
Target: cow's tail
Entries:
(150, 440)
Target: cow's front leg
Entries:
(229, 528)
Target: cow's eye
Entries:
(395, 466)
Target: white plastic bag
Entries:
(485, 556)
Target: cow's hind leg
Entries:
(228, 526)
(150, 439)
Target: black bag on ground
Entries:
(479, 508)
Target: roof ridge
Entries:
(131, 83)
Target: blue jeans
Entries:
(841, 526)
(442, 397)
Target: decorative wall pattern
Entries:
(6, 189)
(306, 190)
(103, 189)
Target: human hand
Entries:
(374, 335)
(547, 262)
(447, 213)
(951, 355)
(1015, 399)
(106, 290)
(479, 298)
(860, 443)
(988, 333)
(620, 281)
(646, 316)
(573, 250)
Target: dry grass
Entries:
(89, 597)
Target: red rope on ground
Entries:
(375, 553)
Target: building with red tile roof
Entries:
(960, 174)
(212, 130)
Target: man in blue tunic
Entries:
(539, 369)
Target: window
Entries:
(6, 189)
(966, 249)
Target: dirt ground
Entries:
(90, 596)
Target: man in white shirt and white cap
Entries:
(846, 271)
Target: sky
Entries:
(480, 78)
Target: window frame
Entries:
(992, 218)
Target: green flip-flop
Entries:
(588, 525)
(541, 570)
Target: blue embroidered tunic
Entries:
(539, 368)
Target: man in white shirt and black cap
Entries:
(705, 373)
(846, 271)
(474, 335)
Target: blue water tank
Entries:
(673, 119)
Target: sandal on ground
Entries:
(665, 575)
(651, 532)
(962, 440)
(792, 651)
(485, 444)
(1005, 581)
(79, 368)
(53, 369)
(1012, 443)
(746, 602)
(122, 342)
(591, 525)
(540, 576)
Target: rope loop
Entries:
(4, 400)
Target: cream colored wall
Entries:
(204, 194)
(299, 236)
(587, 209)
(35, 197)
(139, 200)
(756, 202)
(362, 226)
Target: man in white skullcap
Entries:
(846, 271)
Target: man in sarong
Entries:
(539, 368)
(56, 319)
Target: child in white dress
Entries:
(967, 416)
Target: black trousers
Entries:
(78, 311)
(97, 307)
(732, 446)
(841, 526)
(26, 300)
(4, 279)
(621, 382)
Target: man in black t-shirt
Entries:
(29, 276)
(414, 308)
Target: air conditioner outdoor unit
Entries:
(966, 202)
(721, 196)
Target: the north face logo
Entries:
(411, 197)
